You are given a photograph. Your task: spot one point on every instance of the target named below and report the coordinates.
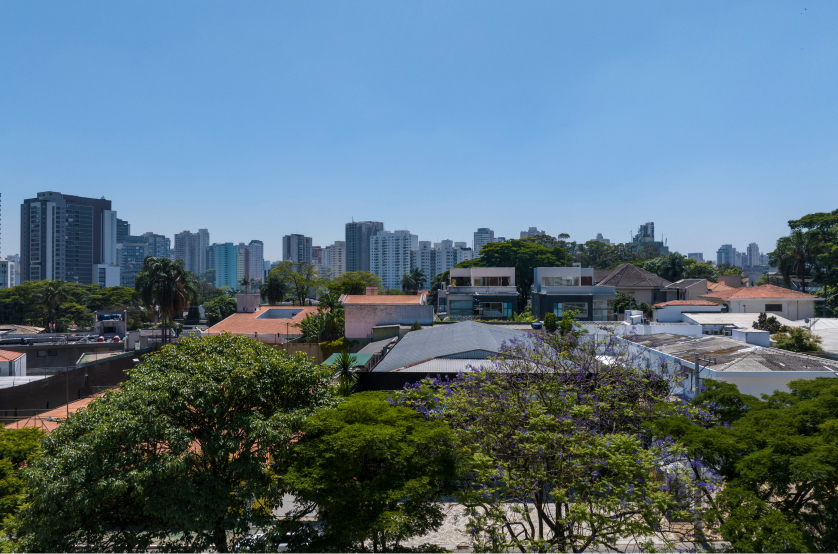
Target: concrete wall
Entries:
(763, 382)
(752, 336)
(361, 318)
(14, 368)
(32, 398)
(734, 281)
(793, 309)
(60, 356)
(247, 302)
(672, 314)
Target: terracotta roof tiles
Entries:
(8, 355)
(686, 303)
(762, 291)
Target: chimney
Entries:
(372, 291)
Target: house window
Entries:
(773, 307)
(52, 352)
(603, 310)
(42, 353)
(581, 307)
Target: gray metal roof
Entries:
(684, 283)
(376, 347)
(733, 355)
(631, 276)
(468, 339)
(447, 365)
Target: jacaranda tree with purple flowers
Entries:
(560, 458)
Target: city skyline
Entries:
(612, 116)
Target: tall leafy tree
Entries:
(17, 447)
(179, 456)
(353, 282)
(779, 458)
(557, 456)
(374, 474)
(413, 281)
(301, 279)
(670, 267)
(165, 286)
(246, 282)
(796, 255)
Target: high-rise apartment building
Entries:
(192, 249)
(224, 258)
(7, 274)
(132, 251)
(123, 229)
(390, 256)
(159, 246)
(358, 235)
(256, 260)
(726, 254)
(334, 258)
(242, 262)
(532, 231)
(296, 248)
(753, 256)
(445, 255)
(645, 236)
(15, 259)
(482, 237)
(61, 237)
(420, 258)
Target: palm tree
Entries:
(165, 286)
(50, 297)
(272, 290)
(795, 255)
(413, 281)
(246, 282)
(347, 379)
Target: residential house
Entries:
(770, 299)
(635, 281)
(479, 293)
(364, 313)
(560, 289)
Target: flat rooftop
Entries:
(732, 355)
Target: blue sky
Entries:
(716, 120)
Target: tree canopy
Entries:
(779, 459)
(373, 473)
(179, 456)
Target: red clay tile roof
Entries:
(8, 355)
(762, 291)
(717, 286)
(686, 303)
(249, 323)
(383, 299)
(57, 415)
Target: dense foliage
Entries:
(675, 267)
(810, 251)
(373, 473)
(39, 303)
(17, 446)
(768, 323)
(779, 460)
(797, 339)
(220, 307)
(178, 456)
(555, 439)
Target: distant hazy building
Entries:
(726, 254)
(192, 249)
(532, 231)
(697, 256)
(334, 259)
(256, 262)
(224, 257)
(420, 258)
(132, 251)
(15, 259)
(645, 236)
(61, 237)
(296, 248)
(753, 256)
(445, 255)
(600, 238)
(159, 246)
(390, 256)
(482, 237)
(358, 235)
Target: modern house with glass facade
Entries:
(479, 293)
(560, 289)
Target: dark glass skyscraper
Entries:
(61, 237)
(358, 234)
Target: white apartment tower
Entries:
(390, 256)
(334, 258)
(420, 258)
(482, 237)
